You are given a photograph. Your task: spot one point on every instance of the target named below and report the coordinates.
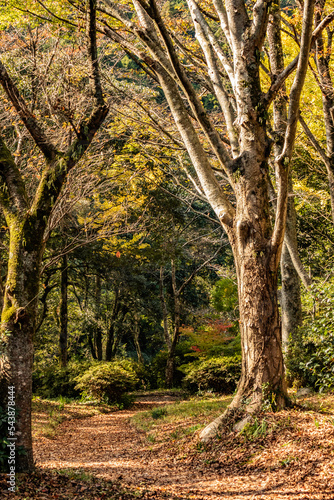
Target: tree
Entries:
(290, 263)
(322, 55)
(27, 218)
(235, 142)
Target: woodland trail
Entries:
(108, 446)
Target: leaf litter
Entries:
(104, 456)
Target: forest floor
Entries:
(82, 452)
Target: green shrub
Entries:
(219, 374)
(53, 381)
(310, 360)
(141, 371)
(109, 381)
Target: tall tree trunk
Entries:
(167, 338)
(170, 367)
(290, 293)
(110, 342)
(262, 361)
(18, 325)
(111, 331)
(91, 344)
(98, 331)
(291, 303)
(255, 243)
(256, 264)
(27, 220)
(63, 312)
(136, 332)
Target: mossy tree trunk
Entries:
(19, 321)
(27, 219)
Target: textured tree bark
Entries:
(18, 322)
(256, 264)
(262, 364)
(291, 304)
(63, 312)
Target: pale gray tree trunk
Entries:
(291, 307)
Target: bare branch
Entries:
(298, 83)
(196, 105)
(221, 11)
(13, 197)
(238, 21)
(280, 80)
(61, 19)
(313, 140)
(197, 270)
(29, 120)
(202, 33)
(259, 25)
(321, 26)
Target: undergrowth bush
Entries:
(53, 381)
(108, 381)
(219, 374)
(310, 360)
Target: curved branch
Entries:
(29, 120)
(13, 197)
(196, 105)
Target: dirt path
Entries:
(109, 446)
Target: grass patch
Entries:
(200, 409)
(159, 412)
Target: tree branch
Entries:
(280, 80)
(259, 25)
(205, 41)
(283, 161)
(195, 103)
(13, 197)
(54, 175)
(221, 11)
(29, 120)
(313, 140)
(92, 52)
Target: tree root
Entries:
(235, 418)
